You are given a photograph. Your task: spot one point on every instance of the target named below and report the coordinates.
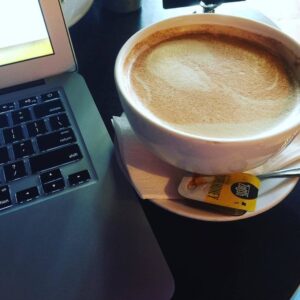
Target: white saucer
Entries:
(272, 192)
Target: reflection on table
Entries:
(74, 10)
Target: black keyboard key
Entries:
(7, 107)
(55, 139)
(54, 186)
(50, 176)
(59, 121)
(13, 134)
(4, 157)
(48, 108)
(28, 101)
(15, 170)
(23, 149)
(27, 195)
(5, 200)
(55, 158)
(21, 115)
(79, 177)
(3, 121)
(50, 96)
(36, 127)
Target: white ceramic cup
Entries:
(195, 153)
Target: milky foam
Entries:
(215, 86)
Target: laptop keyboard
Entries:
(37, 140)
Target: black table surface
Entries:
(256, 258)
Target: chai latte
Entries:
(212, 81)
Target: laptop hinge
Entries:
(22, 86)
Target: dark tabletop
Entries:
(257, 258)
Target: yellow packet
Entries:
(238, 191)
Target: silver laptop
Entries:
(70, 225)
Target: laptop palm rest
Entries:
(89, 243)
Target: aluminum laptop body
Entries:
(71, 227)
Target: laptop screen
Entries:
(34, 41)
(24, 34)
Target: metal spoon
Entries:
(293, 172)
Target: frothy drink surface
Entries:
(212, 85)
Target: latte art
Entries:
(213, 85)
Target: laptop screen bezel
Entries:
(63, 57)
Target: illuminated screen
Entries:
(23, 33)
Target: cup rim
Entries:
(129, 44)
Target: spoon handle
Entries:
(295, 172)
